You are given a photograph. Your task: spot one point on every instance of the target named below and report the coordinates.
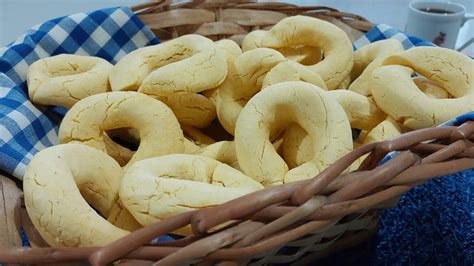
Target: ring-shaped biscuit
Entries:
(360, 110)
(59, 183)
(160, 187)
(397, 95)
(277, 107)
(189, 63)
(245, 80)
(64, 79)
(368, 58)
(159, 130)
(203, 70)
(303, 30)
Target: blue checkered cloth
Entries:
(432, 225)
(24, 130)
(382, 32)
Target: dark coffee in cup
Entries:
(438, 22)
(435, 11)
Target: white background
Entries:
(16, 16)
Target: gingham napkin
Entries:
(382, 32)
(108, 33)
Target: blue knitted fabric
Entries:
(434, 225)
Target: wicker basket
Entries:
(220, 19)
(300, 221)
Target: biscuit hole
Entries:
(429, 87)
(299, 147)
(217, 132)
(126, 137)
(305, 55)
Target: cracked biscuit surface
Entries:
(222, 151)
(360, 110)
(244, 80)
(306, 55)
(230, 50)
(368, 58)
(397, 95)
(158, 128)
(292, 71)
(156, 188)
(277, 107)
(65, 79)
(189, 63)
(59, 184)
(191, 109)
(334, 43)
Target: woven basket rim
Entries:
(220, 19)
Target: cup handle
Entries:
(467, 16)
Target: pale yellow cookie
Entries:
(277, 107)
(387, 129)
(59, 184)
(368, 58)
(231, 51)
(292, 71)
(222, 151)
(189, 63)
(191, 109)
(156, 188)
(397, 95)
(244, 80)
(159, 130)
(360, 110)
(309, 31)
(64, 79)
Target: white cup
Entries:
(441, 28)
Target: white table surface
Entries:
(16, 16)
